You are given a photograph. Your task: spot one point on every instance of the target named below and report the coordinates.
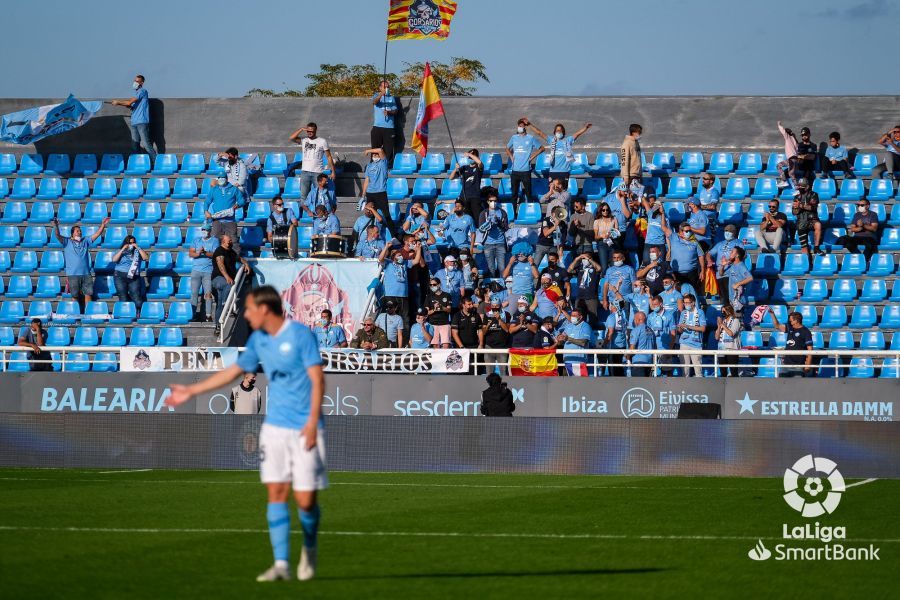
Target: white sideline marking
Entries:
(124, 471)
(863, 482)
(450, 534)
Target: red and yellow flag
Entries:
(430, 107)
(534, 362)
(420, 19)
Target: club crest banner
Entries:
(33, 124)
(419, 361)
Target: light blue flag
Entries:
(33, 124)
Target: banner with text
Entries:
(149, 360)
(418, 361)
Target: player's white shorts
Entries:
(283, 457)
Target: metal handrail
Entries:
(230, 302)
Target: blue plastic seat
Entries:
(749, 163)
(433, 164)
(824, 266)
(777, 339)
(810, 314)
(176, 212)
(767, 265)
(675, 212)
(19, 286)
(105, 362)
(267, 188)
(160, 262)
(257, 211)
(852, 189)
(756, 211)
(881, 189)
(185, 189)
(51, 188)
(123, 313)
(48, 286)
(304, 238)
(9, 236)
(149, 212)
(405, 163)
(213, 168)
(8, 163)
(529, 213)
(169, 237)
(758, 291)
(890, 368)
(493, 163)
(663, 162)
(103, 262)
(843, 214)
(8, 337)
(397, 188)
(104, 188)
(424, 189)
(77, 362)
(785, 290)
(86, 336)
(780, 311)
(77, 188)
(180, 313)
(69, 212)
(84, 164)
(96, 311)
(450, 189)
(814, 290)
(18, 362)
(144, 236)
(170, 337)
(291, 189)
(31, 164)
(5, 261)
(94, 212)
(861, 368)
(67, 312)
(870, 340)
(12, 311)
(772, 163)
(252, 237)
(122, 213)
(825, 188)
(114, 237)
(26, 261)
(731, 213)
(841, 340)
(692, 163)
(853, 265)
(834, 316)
(113, 337)
(881, 265)
(751, 339)
(35, 236)
(766, 368)
(23, 189)
(104, 287)
(142, 336)
(138, 164)
(192, 164)
(184, 263)
(864, 163)
(721, 163)
(52, 261)
(14, 213)
(157, 189)
(890, 239)
(594, 188)
(890, 318)
(184, 289)
(112, 164)
(680, 187)
(161, 288)
(766, 188)
(58, 337)
(152, 313)
(844, 290)
(132, 188)
(40, 309)
(606, 163)
(276, 163)
(165, 164)
(873, 290)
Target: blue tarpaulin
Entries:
(33, 124)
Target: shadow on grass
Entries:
(553, 573)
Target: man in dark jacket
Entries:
(497, 400)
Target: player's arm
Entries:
(182, 393)
(310, 430)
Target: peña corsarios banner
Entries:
(33, 124)
(135, 359)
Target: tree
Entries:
(341, 80)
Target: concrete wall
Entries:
(486, 122)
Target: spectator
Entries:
(641, 338)
(736, 278)
(497, 400)
(522, 149)
(686, 256)
(616, 332)
(315, 151)
(370, 337)
(470, 172)
(325, 223)
(699, 224)
(422, 332)
(384, 107)
(468, 270)
(77, 257)
(395, 282)
(127, 274)
(558, 275)
(619, 202)
(836, 158)
(655, 236)
(34, 337)
(690, 329)
(630, 155)
(661, 323)
(495, 325)
(798, 338)
(588, 272)
(319, 196)
(561, 155)
(557, 195)
(140, 118)
(371, 216)
(392, 324)
(770, 233)
(654, 270)
(246, 399)
(618, 277)
(451, 280)
(575, 334)
(637, 299)
(201, 252)
(671, 296)
(374, 188)
(545, 299)
(466, 326)
(551, 236)
(708, 196)
(806, 209)
(459, 228)
(416, 256)
(720, 253)
(544, 339)
(503, 294)
(417, 223)
(225, 260)
(862, 231)
(221, 207)
(439, 308)
(330, 335)
(607, 236)
(728, 336)
(236, 172)
(493, 222)
(279, 216)
(372, 245)
(891, 164)
(788, 166)
(806, 155)
(523, 326)
(581, 228)
(523, 271)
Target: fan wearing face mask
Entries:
(139, 104)
(439, 308)
(655, 268)
(720, 254)
(374, 188)
(396, 280)
(619, 276)
(522, 149)
(587, 272)
(562, 158)
(496, 221)
(220, 209)
(630, 154)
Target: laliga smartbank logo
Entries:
(813, 487)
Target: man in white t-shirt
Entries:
(315, 150)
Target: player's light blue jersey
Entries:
(284, 357)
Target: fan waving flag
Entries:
(33, 124)
(430, 107)
(533, 362)
(420, 19)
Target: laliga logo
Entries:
(637, 402)
(813, 486)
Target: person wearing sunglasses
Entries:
(280, 215)
(862, 231)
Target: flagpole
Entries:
(384, 70)
(458, 164)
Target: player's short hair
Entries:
(635, 128)
(313, 125)
(141, 77)
(325, 311)
(269, 297)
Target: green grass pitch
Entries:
(201, 534)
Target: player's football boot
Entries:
(306, 570)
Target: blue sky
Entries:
(222, 48)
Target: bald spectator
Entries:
(641, 338)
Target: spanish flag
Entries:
(420, 19)
(430, 107)
(532, 362)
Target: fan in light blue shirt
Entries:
(522, 146)
(642, 338)
(325, 224)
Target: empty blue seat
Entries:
(192, 164)
(824, 266)
(138, 164)
(825, 188)
(105, 362)
(23, 189)
(257, 211)
(123, 313)
(751, 339)
(169, 237)
(433, 164)
(18, 362)
(758, 291)
(96, 311)
(77, 188)
(48, 286)
(424, 189)
(680, 187)
(213, 167)
(852, 189)
(180, 313)
(26, 261)
(132, 188)
(864, 163)
(35, 236)
(405, 163)
(161, 288)
(94, 212)
(772, 163)
(121, 213)
(51, 188)
(881, 265)
(176, 212)
(69, 212)
(152, 313)
(8, 164)
(291, 189)
(52, 261)
(112, 164)
(165, 164)
(142, 336)
(304, 237)
(170, 337)
(880, 189)
(844, 290)
(731, 212)
(12, 311)
(84, 164)
(157, 189)
(890, 318)
(749, 163)
(873, 290)
(493, 163)
(8, 337)
(39, 309)
(397, 188)
(606, 163)
(5, 261)
(104, 287)
(814, 290)
(767, 265)
(160, 262)
(31, 164)
(144, 236)
(840, 340)
(103, 262)
(267, 188)
(810, 314)
(77, 362)
(113, 336)
(870, 340)
(252, 237)
(784, 290)
(86, 336)
(663, 162)
(529, 213)
(276, 163)
(861, 368)
(692, 163)
(853, 265)
(58, 337)
(765, 188)
(675, 212)
(834, 316)
(184, 288)
(114, 237)
(451, 189)
(67, 312)
(184, 263)
(721, 163)
(890, 368)
(9, 236)
(149, 212)
(14, 212)
(104, 188)
(594, 188)
(19, 286)
(185, 188)
(766, 368)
